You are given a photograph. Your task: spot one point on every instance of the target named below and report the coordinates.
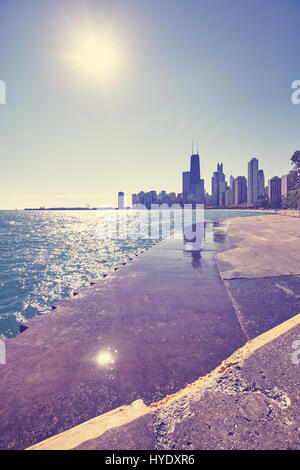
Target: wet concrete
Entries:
(145, 331)
(250, 401)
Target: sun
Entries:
(97, 54)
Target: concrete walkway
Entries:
(251, 400)
(144, 332)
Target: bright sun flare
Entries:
(94, 53)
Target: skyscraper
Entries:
(195, 169)
(261, 183)
(240, 190)
(274, 188)
(252, 194)
(218, 187)
(185, 184)
(192, 184)
(232, 188)
(196, 190)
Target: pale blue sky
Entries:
(218, 72)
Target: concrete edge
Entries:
(126, 414)
(94, 427)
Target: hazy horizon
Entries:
(170, 73)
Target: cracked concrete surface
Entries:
(253, 405)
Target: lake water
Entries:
(46, 255)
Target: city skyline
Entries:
(182, 73)
(225, 192)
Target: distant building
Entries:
(121, 205)
(240, 190)
(161, 196)
(232, 188)
(185, 184)
(261, 184)
(252, 192)
(134, 200)
(228, 197)
(150, 198)
(208, 200)
(141, 197)
(288, 183)
(274, 189)
(218, 187)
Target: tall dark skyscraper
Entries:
(192, 184)
(196, 190)
(195, 169)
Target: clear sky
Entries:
(218, 72)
